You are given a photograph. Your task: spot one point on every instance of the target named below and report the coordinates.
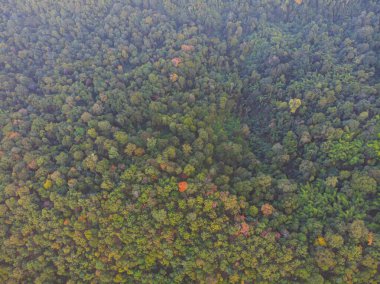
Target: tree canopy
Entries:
(200, 141)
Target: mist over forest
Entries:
(199, 141)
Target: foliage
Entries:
(201, 141)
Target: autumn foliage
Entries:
(182, 186)
(267, 209)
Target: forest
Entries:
(198, 141)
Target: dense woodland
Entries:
(199, 141)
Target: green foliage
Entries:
(325, 259)
(253, 211)
(113, 153)
(92, 133)
(290, 142)
(363, 183)
(358, 231)
(267, 110)
(346, 152)
(375, 144)
(121, 137)
(189, 170)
